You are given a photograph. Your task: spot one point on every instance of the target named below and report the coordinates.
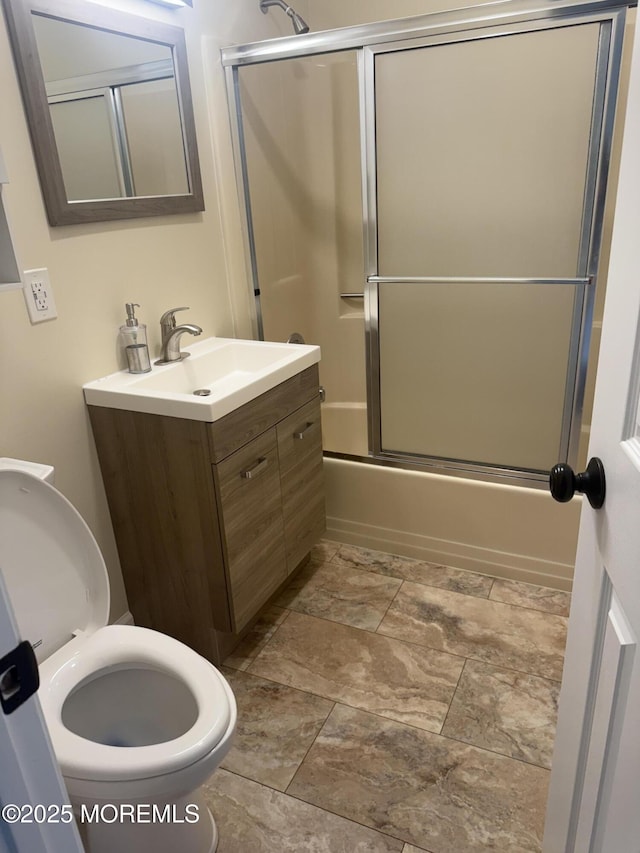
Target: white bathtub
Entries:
(503, 530)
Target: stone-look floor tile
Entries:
(276, 727)
(529, 595)
(323, 551)
(388, 677)
(501, 634)
(251, 645)
(255, 819)
(506, 712)
(409, 848)
(340, 594)
(432, 792)
(417, 571)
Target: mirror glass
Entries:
(115, 111)
(109, 111)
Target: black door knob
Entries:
(564, 483)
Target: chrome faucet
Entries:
(171, 335)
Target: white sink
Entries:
(232, 371)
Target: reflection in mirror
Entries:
(115, 111)
(109, 111)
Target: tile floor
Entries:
(387, 704)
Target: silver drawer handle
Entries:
(301, 435)
(257, 469)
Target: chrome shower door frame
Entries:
(482, 21)
(605, 91)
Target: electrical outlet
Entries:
(38, 295)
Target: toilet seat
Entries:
(124, 646)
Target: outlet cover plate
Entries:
(38, 295)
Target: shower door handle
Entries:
(563, 483)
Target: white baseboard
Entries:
(125, 619)
(455, 554)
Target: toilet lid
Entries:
(53, 568)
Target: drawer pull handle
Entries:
(258, 468)
(300, 435)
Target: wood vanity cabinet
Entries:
(211, 518)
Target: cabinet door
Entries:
(301, 478)
(250, 509)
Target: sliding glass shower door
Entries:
(479, 281)
(425, 200)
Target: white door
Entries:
(594, 800)
(29, 774)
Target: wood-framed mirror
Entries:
(109, 109)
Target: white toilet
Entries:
(138, 720)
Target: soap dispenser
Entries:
(134, 339)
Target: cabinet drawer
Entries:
(302, 482)
(250, 511)
(246, 423)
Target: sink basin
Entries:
(230, 372)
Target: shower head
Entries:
(299, 24)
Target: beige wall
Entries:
(95, 269)
(329, 14)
